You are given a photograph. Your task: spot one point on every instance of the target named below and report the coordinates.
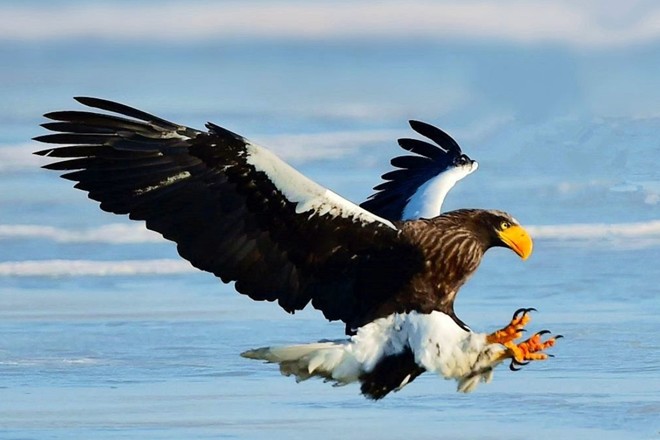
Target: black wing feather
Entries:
(412, 171)
(422, 148)
(227, 217)
(125, 110)
(436, 135)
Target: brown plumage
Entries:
(237, 211)
(450, 247)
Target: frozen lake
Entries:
(157, 357)
(105, 333)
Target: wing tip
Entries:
(437, 135)
(45, 152)
(44, 138)
(216, 129)
(418, 125)
(89, 100)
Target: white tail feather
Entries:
(330, 360)
(286, 353)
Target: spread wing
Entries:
(234, 209)
(417, 188)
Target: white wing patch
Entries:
(307, 194)
(427, 200)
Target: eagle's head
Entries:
(502, 230)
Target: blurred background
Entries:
(105, 332)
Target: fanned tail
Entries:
(329, 360)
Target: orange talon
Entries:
(530, 349)
(512, 331)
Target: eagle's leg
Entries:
(514, 329)
(529, 350)
(496, 353)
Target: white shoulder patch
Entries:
(427, 200)
(307, 194)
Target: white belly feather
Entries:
(438, 344)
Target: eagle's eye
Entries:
(505, 225)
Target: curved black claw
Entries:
(559, 337)
(524, 311)
(514, 363)
(542, 332)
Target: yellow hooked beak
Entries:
(517, 238)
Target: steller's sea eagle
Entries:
(390, 269)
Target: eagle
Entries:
(389, 268)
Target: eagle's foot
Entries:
(514, 330)
(529, 350)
